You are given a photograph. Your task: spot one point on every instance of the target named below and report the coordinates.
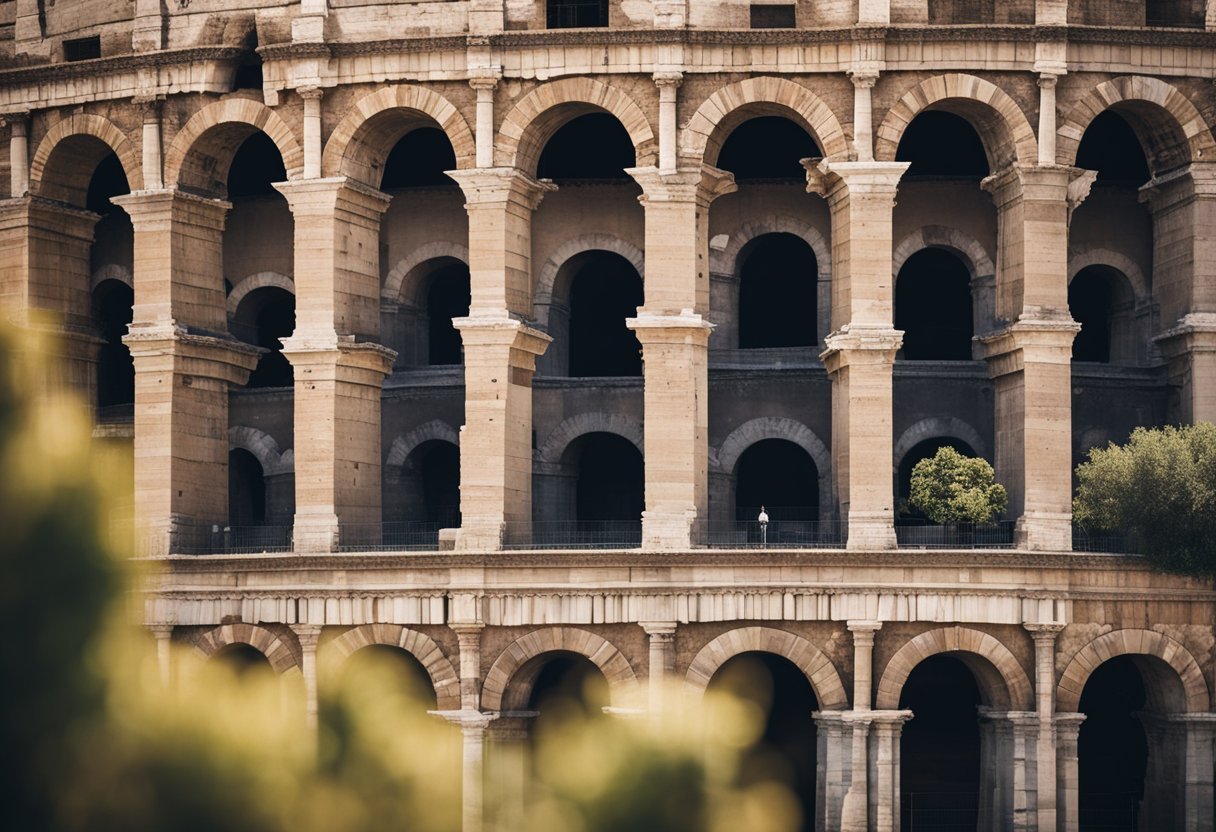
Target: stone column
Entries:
(1030, 355)
(148, 33)
(469, 638)
(855, 811)
(863, 659)
(1008, 770)
(1044, 636)
(309, 635)
(312, 130)
(863, 80)
(669, 85)
(1200, 731)
(152, 161)
(1067, 727)
(1047, 118)
(485, 86)
(673, 327)
(339, 367)
(662, 637)
(507, 766)
(473, 727)
(500, 354)
(1183, 205)
(18, 152)
(163, 633)
(1163, 806)
(183, 371)
(861, 349)
(888, 726)
(834, 746)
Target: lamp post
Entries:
(763, 520)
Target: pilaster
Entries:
(308, 636)
(468, 636)
(473, 727)
(163, 633)
(148, 34)
(1044, 636)
(887, 727)
(834, 752)
(18, 124)
(662, 638)
(1067, 729)
(152, 149)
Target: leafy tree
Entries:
(1159, 491)
(951, 488)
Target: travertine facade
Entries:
(128, 169)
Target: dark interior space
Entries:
(592, 146)
(778, 293)
(767, 147)
(1112, 752)
(255, 166)
(1111, 147)
(447, 297)
(604, 291)
(611, 484)
(782, 477)
(418, 160)
(246, 489)
(933, 307)
(941, 144)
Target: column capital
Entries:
(1046, 340)
(1048, 80)
(659, 328)
(193, 356)
(325, 353)
(485, 79)
(662, 631)
(668, 80)
(863, 76)
(501, 331)
(17, 121)
(1039, 182)
(488, 186)
(471, 722)
(468, 633)
(149, 104)
(1068, 724)
(1193, 333)
(307, 634)
(836, 180)
(325, 197)
(160, 631)
(860, 345)
(1043, 632)
(862, 629)
(890, 719)
(310, 92)
(701, 184)
(1179, 187)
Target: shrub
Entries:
(951, 488)
(1159, 492)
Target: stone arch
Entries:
(67, 179)
(361, 142)
(280, 653)
(560, 437)
(422, 647)
(405, 444)
(538, 115)
(261, 280)
(402, 274)
(1001, 679)
(112, 271)
(1105, 257)
(947, 427)
(1169, 126)
(547, 278)
(813, 663)
(1133, 642)
(1002, 126)
(940, 236)
(777, 427)
(502, 691)
(199, 156)
(730, 106)
(726, 260)
(264, 448)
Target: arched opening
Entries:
(604, 290)
(1100, 300)
(594, 146)
(920, 451)
(576, 14)
(567, 687)
(248, 75)
(933, 307)
(767, 147)
(246, 489)
(778, 293)
(264, 318)
(940, 764)
(601, 494)
(112, 305)
(787, 749)
(447, 297)
(419, 159)
(402, 673)
(431, 485)
(940, 144)
(1110, 147)
(782, 477)
(1112, 749)
(244, 661)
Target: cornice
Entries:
(119, 63)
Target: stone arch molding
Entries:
(940, 236)
(401, 274)
(423, 648)
(813, 663)
(347, 154)
(239, 111)
(1185, 118)
(1003, 127)
(702, 138)
(497, 691)
(560, 437)
(534, 118)
(938, 427)
(771, 427)
(1001, 677)
(253, 282)
(278, 652)
(112, 271)
(547, 278)
(726, 260)
(86, 124)
(1105, 257)
(405, 444)
(264, 449)
(1133, 642)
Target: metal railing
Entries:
(576, 15)
(401, 536)
(941, 811)
(1103, 542)
(776, 534)
(215, 539)
(917, 535)
(1108, 812)
(575, 534)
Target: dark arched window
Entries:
(264, 318)
(1100, 300)
(447, 297)
(933, 307)
(610, 481)
(594, 146)
(941, 144)
(436, 466)
(246, 489)
(605, 290)
(1111, 147)
(418, 160)
(112, 303)
(778, 293)
(782, 477)
(576, 14)
(767, 147)
(1112, 749)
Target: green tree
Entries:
(951, 488)
(1159, 491)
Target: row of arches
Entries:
(960, 685)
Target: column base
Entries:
(669, 530)
(1044, 532)
(871, 531)
(480, 536)
(315, 533)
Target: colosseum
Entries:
(479, 331)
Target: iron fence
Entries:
(775, 534)
(1104, 542)
(575, 534)
(400, 536)
(577, 14)
(913, 535)
(940, 811)
(202, 539)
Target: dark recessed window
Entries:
(576, 14)
(82, 49)
(773, 17)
